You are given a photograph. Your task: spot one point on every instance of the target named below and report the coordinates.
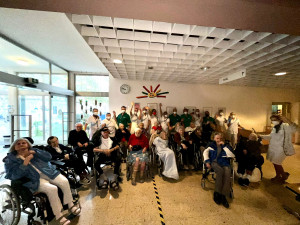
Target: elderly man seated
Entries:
(108, 150)
(79, 141)
(138, 145)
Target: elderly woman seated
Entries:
(217, 156)
(61, 152)
(166, 155)
(34, 165)
(183, 141)
(138, 145)
(248, 156)
(108, 150)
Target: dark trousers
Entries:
(79, 151)
(249, 162)
(77, 164)
(187, 155)
(114, 157)
(223, 173)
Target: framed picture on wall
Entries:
(209, 109)
(190, 108)
(153, 106)
(170, 109)
(223, 109)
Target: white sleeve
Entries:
(206, 153)
(229, 153)
(88, 121)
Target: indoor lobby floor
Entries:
(186, 202)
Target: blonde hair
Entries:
(12, 147)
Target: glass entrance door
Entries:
(59, 110)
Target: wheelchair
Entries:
(210, 172)
(176, 149)
(155, 161)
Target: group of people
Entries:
(129, 137)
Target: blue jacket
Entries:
(210, 154)
(15, 169)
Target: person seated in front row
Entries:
(217, 156)
(183, 141)
(122, 136)
(34, 165)
(166, 155)
(108, 150)
(138, 145)
(61, 152)
(80, 143)
(190, 128)
(248, 156)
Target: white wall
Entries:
(252, 105)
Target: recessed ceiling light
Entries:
(280, 74)
(117, 61)
(205, 68)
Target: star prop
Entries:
(153, 93)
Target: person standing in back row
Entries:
(233, 124)
(94, 122)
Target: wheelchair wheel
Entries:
(10, 208)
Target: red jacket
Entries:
(141, 140)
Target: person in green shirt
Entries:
(174, 118)
(186, 118)
(123, 118)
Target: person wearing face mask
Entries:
(186, 118)
(123, 118)
(145, 119)
(94, 121)
(110, 124)
(135, 118)
(233, 124)
(174, 119)
(164, 120)
(221, 122)
(197, 118)
(208, 126)
(280, 145)
(153, 117)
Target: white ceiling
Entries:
(51, 35)
(177, 52)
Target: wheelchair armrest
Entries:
(57, 162)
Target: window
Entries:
(59, 77)
(88, 83)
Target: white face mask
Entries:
(174, 113)
(123, 110)
(108, 118)
(95, 113)
(166, 115)
(275, 123)
(135, 113)
(233, 117)
(185, 113)
(197, 113)
(144, 111)
(221, 114)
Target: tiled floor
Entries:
(185, 202)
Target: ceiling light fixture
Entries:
(22, 62)
(280, 74)
(118, 61)
(205, 68)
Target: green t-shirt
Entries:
(124, 119)
(174, 119)
(206, 119)
(187, 119)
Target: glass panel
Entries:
(59, 77)
(5, 111)
(38, 107)
(86, 83)
(85, 105)
(59, 110)
(14, 60)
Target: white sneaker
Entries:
(85, 181)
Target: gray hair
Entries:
(12, 147)
(137, 129)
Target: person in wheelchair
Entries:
(248, 156)
(166, 155)
(79, 141)
(138, 145)
(217, 156)
(61, 152)
(183, 142)
(108, 151)
(33, 165)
